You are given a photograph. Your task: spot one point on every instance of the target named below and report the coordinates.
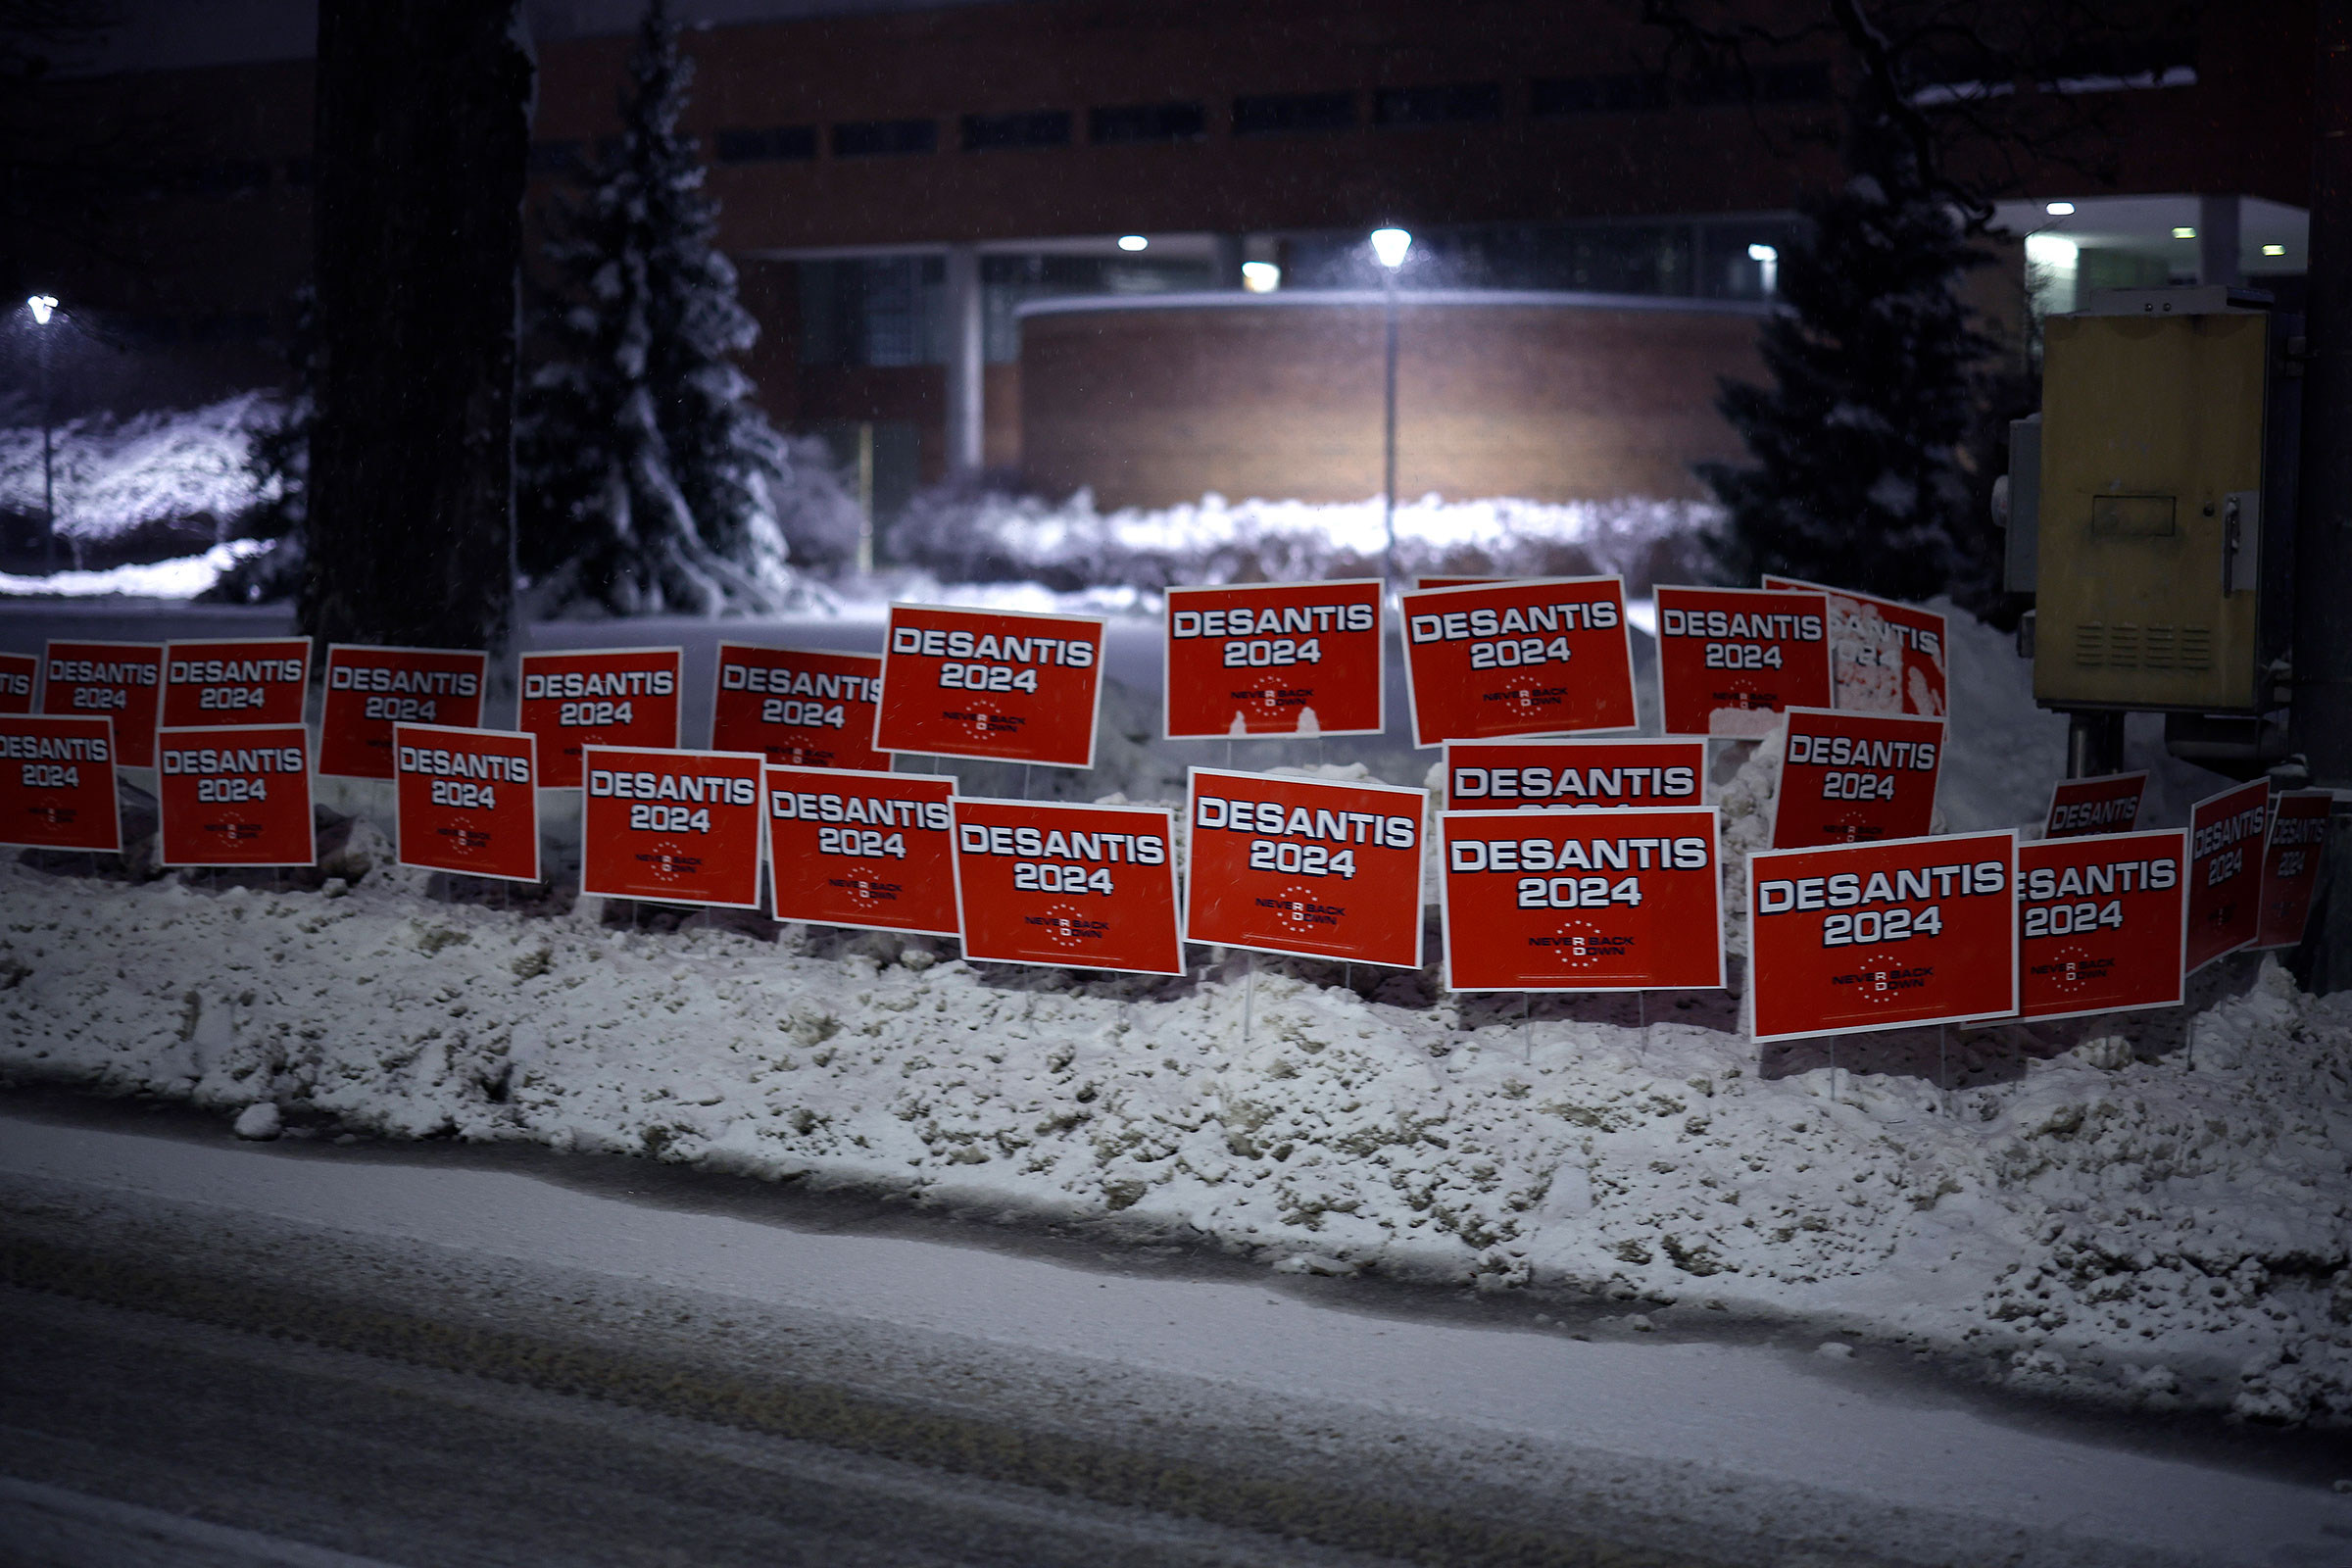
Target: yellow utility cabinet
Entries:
(2150, 573)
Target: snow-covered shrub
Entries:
(163, 478)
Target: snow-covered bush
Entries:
(962, 535)
(165, 477)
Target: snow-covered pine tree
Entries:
(1858, 477)
(646, 476)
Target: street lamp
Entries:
(1389, 246)
(43, 307)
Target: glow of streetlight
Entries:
(2059, 209)
(1763, 253)
(1133, 242)
(1389, 245)
(41, 305)
(1261, 277)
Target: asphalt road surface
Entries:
(303, 1354)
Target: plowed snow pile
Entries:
(2152, 1210)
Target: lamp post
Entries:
(43, 307)
(1389, 246)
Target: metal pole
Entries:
(1388, 481)
(48, 451)
(2320, 715)
(866, 497)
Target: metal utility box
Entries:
(2150, 506)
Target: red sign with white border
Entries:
(122, 681)
(1422, 584)
(873, 850)
(466, 799)
(1886, 657)
(20, 674)
(1621, 899)
(678, 827)
(1858, 937)
(1274, 659)
(1326, 868)
(2290, 864)
(597, 696)
(2101, 923)
(798, 707)
(1856, 778)
(235, 794)
(2225, 833)
(1536, 656)
(57, 783)
(1525, 775)
(1730, 659)
(234, 680)
(369, 689)
(1091, 886)
(2109, 803)
(997, 684)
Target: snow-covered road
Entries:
(1702, 1446)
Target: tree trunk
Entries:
(423, 127)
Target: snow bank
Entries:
(113, 478)
(181, 578)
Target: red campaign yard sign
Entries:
(798, 707)
(874, 850)
(1615, 899)
(371, 689)
(466, 799)
(681, 828)
(1728, 659)
(1540, 657)
(990, 683)
(236, 794)
(2109, 803)
(1422, 584)
(57, 783)
(1502, 775)
(2100, 923)
(1885, 657)
(1856, 778)
(1332, 870)
(2225, 833)
(2290, 866)
(1881, 935)
(19, 673)
(608, 697)
(235, 681)
(1274, 659)
(1090, 887)
(121, 681)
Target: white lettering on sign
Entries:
(1855, 751)
(1136, 849)
(932, 642)
(393, 678)
(831, 688)
(2098, 881)
(1573, 783)
(234, 672)
(701, 788)
(201, 760)
(2245, 824)
(1273, 820)
(2080, 814)
(1848, 890)
(1294, 620)
(1462, 625)
(600, 683)
(56, 747)
(85, 672)
(437, 763)
(813, 807)
(1515, 854)
(1740, 623)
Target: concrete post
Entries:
(2216, 240)
(966, 362)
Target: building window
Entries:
(1036, 127)
(1456, 103)
(1590, 95)
(768, 144)
(880, 310)
(1275, 113)
(882, 138)
(1136, 122)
